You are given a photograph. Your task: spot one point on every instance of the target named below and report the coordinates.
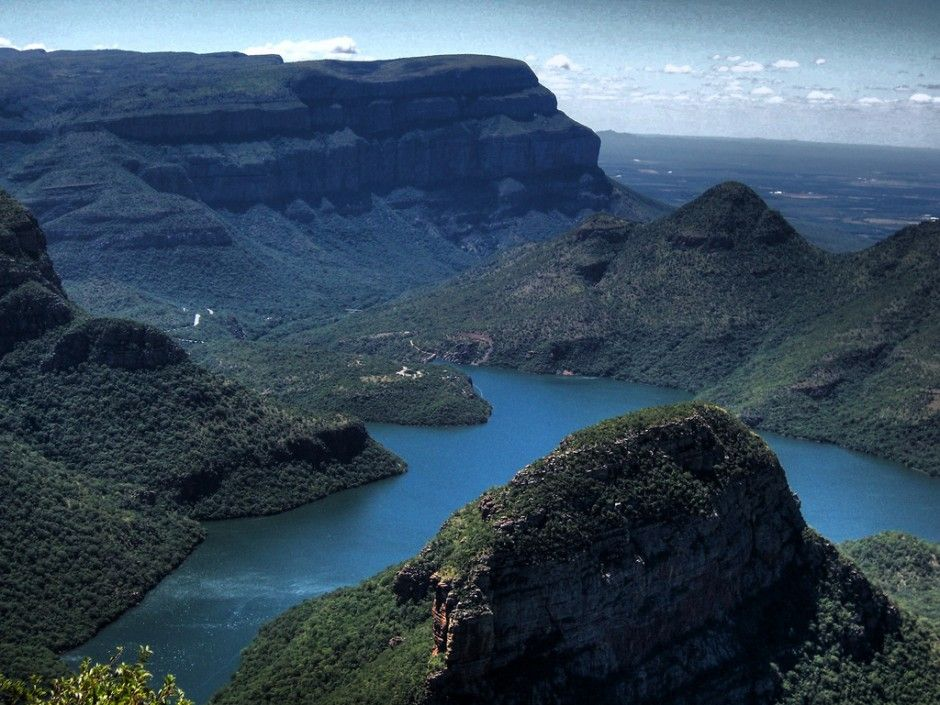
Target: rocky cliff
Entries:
(416, 160)
(655, 558)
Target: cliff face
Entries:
(424, 159)
(637, 602)
(644, 562)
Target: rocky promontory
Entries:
(655, 558)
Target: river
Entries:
(247, 571)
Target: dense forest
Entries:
(112, 443)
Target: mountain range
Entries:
(161, 179)
(722, 297)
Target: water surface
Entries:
(249, 570)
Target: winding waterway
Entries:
(249, 570)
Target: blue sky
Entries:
(830, 70)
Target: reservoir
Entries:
(248, 571)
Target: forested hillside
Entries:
(723, 298)
(113, 442)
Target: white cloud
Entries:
(923, 98)
(733, 58)
(306, 49)
(7, 44)
(785, 64)
(722, 69)
(747, 67)
(674, 68)
(561, 62)
(819, 96)
(775, 100)
(820, 62)
(870, 100)
(716, 57)
(762, 90)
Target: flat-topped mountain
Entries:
(721, 297)
(658, 557)
(112, 442)
(245, 183)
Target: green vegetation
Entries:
(369, 387)
(74, 553)
(595, 483)
(904, 566)
(112, 443)
(356, 646)
(826, 666)
(183, 434)
(723, 298)
(114, 683)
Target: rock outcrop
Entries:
(649, 560)
(31, 297)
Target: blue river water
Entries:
(247, 571)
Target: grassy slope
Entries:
(339, 648)
(372, 388)
(722, 298)
(110, 419)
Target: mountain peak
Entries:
(23, 256)
(602, 226)
(726, 214)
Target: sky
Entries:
(822, 70)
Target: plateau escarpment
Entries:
(226, 168)
(723, 298)
(112, 443)
(655, 558)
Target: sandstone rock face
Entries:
(31, 297)
(666, 605)
(477, 133)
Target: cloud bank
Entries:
(339, 48)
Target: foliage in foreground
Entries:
(114, 683)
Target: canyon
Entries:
(241, 180)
